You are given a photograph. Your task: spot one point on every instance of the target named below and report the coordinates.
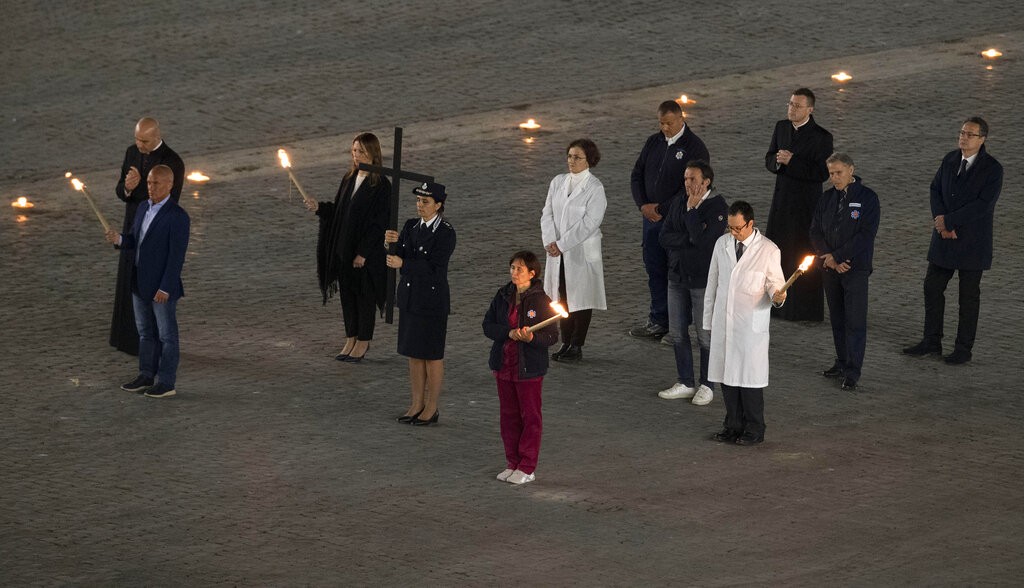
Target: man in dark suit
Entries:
(148, 151)
(797, 157)
(963, 199)
(656, 180)
(158, 239)
(843, 236)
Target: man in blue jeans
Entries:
(159, 237)
(693, 224)
(656, 179)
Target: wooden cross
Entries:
(396, 174)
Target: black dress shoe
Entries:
(139, 384)
(407, 418)
(923, 348)
(354, 359)
(416, 422)
(833, 372)
(341, 356)
(958, 357)
(573, 353)
(726, 436)
(561, 351)
(849, 384)
(750, 439)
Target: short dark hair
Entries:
(589, 149)
(741, 207)
(529, 259)
(805, 92)
(705, 170)
(669, 106)
(982, 125)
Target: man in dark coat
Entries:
(148, 152)
(843, 236)
(797, 157)
(656, 180)
(963, 200)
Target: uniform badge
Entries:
(855, 214)
(531, 313)
(679, 154)
(424, 186)
(721, 218)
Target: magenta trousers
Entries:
(520, 422)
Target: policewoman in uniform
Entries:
(423, 249)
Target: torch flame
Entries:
(285, 162)
(198, 176)
(558, 308)
(991, 53)
(842, 76)
(67, 175)
(529, 124)
(77, 184)
(806, 263)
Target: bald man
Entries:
(148, 151)
(156, 244)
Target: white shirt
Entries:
(359, 181)
(702, 199)
(671, 140)
(427, 223)
(150, 215)
(970, 160)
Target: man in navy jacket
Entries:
(843, 236)
(693, 224)
(963, 200)
(159, 237)
(657, 178)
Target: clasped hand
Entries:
(783, 157)
(552, 249)
(830, 262)
(522, 334)
(131, 179)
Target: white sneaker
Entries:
(505, 473)
(678, 391)
(518, 477)
(703, 396)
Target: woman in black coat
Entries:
(519, 360)
(349, 257)
(423, 249)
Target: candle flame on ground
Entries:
(77, 184)
(528, 140)
(991, 53)
(67, 174)
(558, 308)
(197, 176)
(529, 124)
(283, 155)
(684, 99)
(842, 76)
(22, 202)
(806, 263)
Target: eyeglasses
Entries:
(739, 228)
(970, 135)
(575, 158)
(796, 105)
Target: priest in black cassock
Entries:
(148, 152)
(797, 158)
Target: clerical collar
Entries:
(803, 123)
(158, 145)
(676, 137)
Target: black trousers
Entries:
(574, 329)
(935, 282)
(744, 409)
(357, 307)
(847, 296)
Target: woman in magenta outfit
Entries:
(519, 360)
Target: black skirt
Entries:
(422, 336)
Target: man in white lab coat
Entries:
(743, 284)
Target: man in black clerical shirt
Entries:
(147, 152)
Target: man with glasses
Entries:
(744, 283)
(657, 178)
(843, 236)
(797, 157)
(963, 200)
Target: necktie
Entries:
(842, 200)
(739, 250)
(963, 167)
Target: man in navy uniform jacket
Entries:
(963, 199)
(657, 178)
(159, 237)
(843, 237)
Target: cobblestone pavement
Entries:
(276, 465)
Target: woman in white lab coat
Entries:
(743, 284)
(571, 229)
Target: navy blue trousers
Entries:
(847, 296)
(656, 264)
